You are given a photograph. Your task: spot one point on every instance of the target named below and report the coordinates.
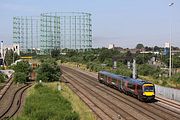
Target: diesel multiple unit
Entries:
(143, 90)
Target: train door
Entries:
(109, 79)
(139, 89)
(113, 82)
(120, 82)
(131, 87)
(117, 83)
(105, 79)
(135, 90)
(124, 85)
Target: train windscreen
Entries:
(148, 88)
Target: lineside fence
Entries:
(170, 93)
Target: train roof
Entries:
(112, 75)
(138, 81)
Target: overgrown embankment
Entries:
(45, 103)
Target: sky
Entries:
(124, 23)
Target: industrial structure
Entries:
(49, 31)
(26, 32)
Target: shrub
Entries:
(176, 78)
(122, 71)
(22, 70)
(20, 77)
(48, 71)
(22, 66)
(2, 78)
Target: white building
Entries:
(111, 46)
(166, 45)
(14, 47)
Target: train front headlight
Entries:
(148, 93)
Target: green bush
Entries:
(148, 70)
(22, 70)
(2, 77)
(20, 77)
(23, 66)
(176, 78)
(122, 71)
(47, 104)
(48, 71)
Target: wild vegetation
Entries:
(10, 57)
(102, 59)
(2, 78)
(47, 104)
(22, 71)
(48, 71)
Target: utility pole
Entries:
(134, 69)
(2, 52)
(170, 43)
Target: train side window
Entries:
(131, 86)
(114, 80)
(139, 87)
(123, 83)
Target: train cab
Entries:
(148, 91)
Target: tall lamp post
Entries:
(170, 46)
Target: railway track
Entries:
(110, 111)
(157, 112)
(169, 102)
(132, 111)
(15, 103)
(6, 87)
(107, 100)
(95, 108)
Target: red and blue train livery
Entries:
(143, 90)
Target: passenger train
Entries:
(143, 90)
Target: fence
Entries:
(169, 93)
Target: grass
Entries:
(77, 104)
(44, 103)
(161, 82)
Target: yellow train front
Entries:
(148, 92)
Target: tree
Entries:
(146, 70)
(176, 61)
(49, 71)
(176, 78)
(143, 58)
(22, 70)
(156, 48)
(55, 53)
(105, 53)
(148, 48)
(139, 46)
(128, 57)
(20, 77)
(22, 66)
(10, 57)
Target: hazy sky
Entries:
(124, 23)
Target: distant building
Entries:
(14, 47)
(111, 46)
(146, 52)
(166, 49)
(167, 45)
